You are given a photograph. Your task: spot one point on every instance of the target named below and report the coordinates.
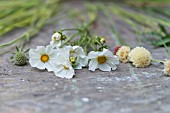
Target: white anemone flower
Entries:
(104, 60)
(42, 57)
(56, 40)
(62, 67)
(77, 55)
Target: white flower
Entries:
(77, 56)
(56, 39)
(62, 67)
(42, 57)
(104, 60)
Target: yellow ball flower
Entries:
(140, 57)
(123, 54)
(167, 67)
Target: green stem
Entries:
(71, 29)
(12, 42)
(68, 40)
(47, 12)
(91, 44)
(160, 61)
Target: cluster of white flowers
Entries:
(63, 61)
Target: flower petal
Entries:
(60, 73)
(57, 67)
(93, 54)
(112, 65)
(49, 49)
(79, 51)
(104, 67)
(69, 73)
(34, 62)
(41, 49)
(33, 54)
(82, 61)
(40, 65)
(79, 66)
(107, 53)
(113, 59)
(93, 64)
(48, 66)
(54, 54)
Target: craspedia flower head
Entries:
(167, 67)
(20, 57)
(123, 54)
(140, 57)
(116, 49)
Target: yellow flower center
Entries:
(65, 67)
(44, 58)
(101, 59)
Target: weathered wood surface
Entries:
(127, 90)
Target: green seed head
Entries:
(20, 57)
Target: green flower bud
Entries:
(72, 60)
(63, 37)
(102, 40)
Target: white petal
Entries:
(57, 67)
(107, 53)
(79, 51)
(79, 66)
(75, 47)
(40, 65)
(41, 49)
(93, 64)
(58, 43)
(68, 48)
(62, 59)
(69, 74)
(60, 73)
(33, 54)
(104, 67)
(51, 43)
(63, 73)
(82, 61)
(53, 54)
(114, 59)
(49, 49)
(93, 54)
(112, 65)
(48, 66)
(34, 62)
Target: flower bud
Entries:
(72, 60)
(116, 49)
(63, 37)
(102, 40)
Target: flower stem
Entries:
(68, 40)
(48, 10)
(71, 29)
(160, 61)
(14, 41)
